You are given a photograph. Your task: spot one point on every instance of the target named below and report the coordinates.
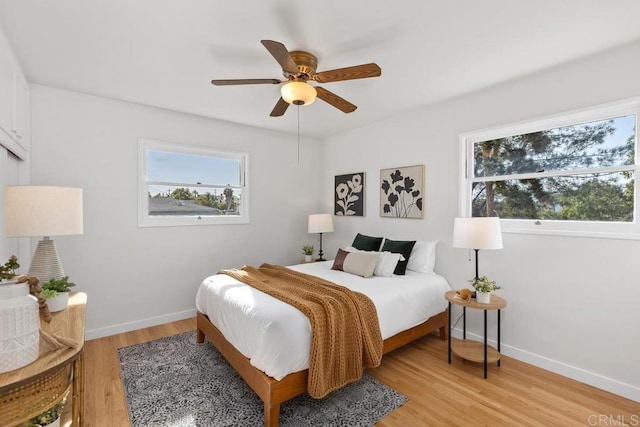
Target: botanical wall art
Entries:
(349, 194)
(401, 192)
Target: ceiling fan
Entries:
(299, 68)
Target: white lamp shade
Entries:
(320, 223)
(477, 233)
(299, 93)
(32, 211)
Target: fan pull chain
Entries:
(298, 134)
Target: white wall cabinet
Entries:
(15, 116)
(14, 103)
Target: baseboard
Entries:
(91, 334)
(596, 380)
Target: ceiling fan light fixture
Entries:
(298, 93)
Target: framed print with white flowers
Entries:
(349, 194)
(401, 192)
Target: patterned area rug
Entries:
(174, 381)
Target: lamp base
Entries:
(320, 251)
(45, 264)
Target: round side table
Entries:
(475, 351)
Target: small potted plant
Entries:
(483, 287)
(8, 270)
(56, 292)
(49, 418)
(307, 250)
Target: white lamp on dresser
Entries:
(32, 211)
(43, 212)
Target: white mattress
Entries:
(276, 337)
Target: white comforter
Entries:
(276, 337)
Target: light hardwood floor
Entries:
(516, 394)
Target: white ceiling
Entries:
(165, 52)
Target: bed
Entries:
(268, 341)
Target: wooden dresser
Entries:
(32, 389)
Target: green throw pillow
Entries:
(367, 243)
(399, 247)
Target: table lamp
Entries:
(320, 223)
(32, 211)
(477, 233)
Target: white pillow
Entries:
(386, 264)
(423, 256)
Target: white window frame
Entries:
(613, 230)
(146, 220)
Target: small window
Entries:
(186, 185)
(572, 174)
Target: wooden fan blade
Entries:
(349, 73)
(281, 54)
(280, 108)
(333, 99)
(245, 82)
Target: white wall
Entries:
(134, 276)
(572, 302)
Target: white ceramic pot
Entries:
(19, 325)
(56, 423)
(59, 302)
(483, 297)
(308, 258)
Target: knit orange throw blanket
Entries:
(345, 333)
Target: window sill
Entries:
(619, 235)
(182, 221)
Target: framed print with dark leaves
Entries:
(349, 194)
(401, 192)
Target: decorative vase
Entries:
(19, 326)
(483, 297)
(308, 258)
(59, 302)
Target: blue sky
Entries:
(624, 129)
(192, 169)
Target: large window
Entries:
(185, 185)
(572, 174)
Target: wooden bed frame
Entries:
(274, 392)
